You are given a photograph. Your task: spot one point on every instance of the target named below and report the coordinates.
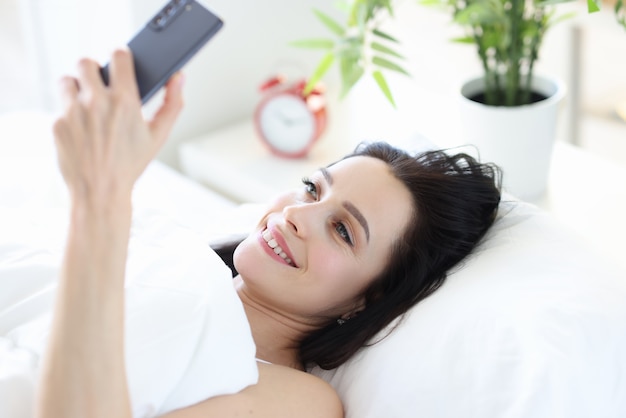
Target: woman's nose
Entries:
(299, 218)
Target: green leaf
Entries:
(314, 43)
(351, 72)
(350, 47)
(387, 5)
(319, 72)
(552, 2)
(330, 23)
(592, 7)
(382, 84)
(370, 7)
(384, 35)
(477, 14)
(430, 2)
(343, 6)
(361, 16)
(381, 62)
(620, 13)
(354, 11)
(385, 50)
(463, 40)
(562, 18)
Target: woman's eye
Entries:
(343, 232)
(310, 188)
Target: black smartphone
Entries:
(174, 35)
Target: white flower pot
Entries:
(519, 139)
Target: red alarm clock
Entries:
(288, 121)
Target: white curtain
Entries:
(40, 40)
(17, 72)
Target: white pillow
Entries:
(532, 325)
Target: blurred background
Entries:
(42, 39)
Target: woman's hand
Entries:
(103, 142)
(103, 145)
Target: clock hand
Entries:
(297, 120)
(283, 118)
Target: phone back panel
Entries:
(159, 52)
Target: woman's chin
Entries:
(248, 258)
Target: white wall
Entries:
(222, 80)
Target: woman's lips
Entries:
(274, 244)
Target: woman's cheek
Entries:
(329, 265)
(245, 257)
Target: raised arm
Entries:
(103, 145)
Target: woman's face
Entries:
(318, 248)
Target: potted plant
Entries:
(507, 35)
(359, 46)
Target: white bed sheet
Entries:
(183, 330)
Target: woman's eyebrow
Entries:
(359, 217)
(349, 206)
(327, 176)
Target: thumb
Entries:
(163, 120)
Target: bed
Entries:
(533, 324)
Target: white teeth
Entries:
(273, 244)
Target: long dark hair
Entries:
(455, 201)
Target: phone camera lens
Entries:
(159, 20)
(169, 10)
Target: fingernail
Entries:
(180, 79)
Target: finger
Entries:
(122, 71)
(89, 78)
(68, 87)
(163, 120)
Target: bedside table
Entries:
(234, 162)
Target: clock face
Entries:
(287, 123)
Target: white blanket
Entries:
(187, 337)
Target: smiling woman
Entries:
(328, 266)
(324, 229)
(438, 207)
(361, 242)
